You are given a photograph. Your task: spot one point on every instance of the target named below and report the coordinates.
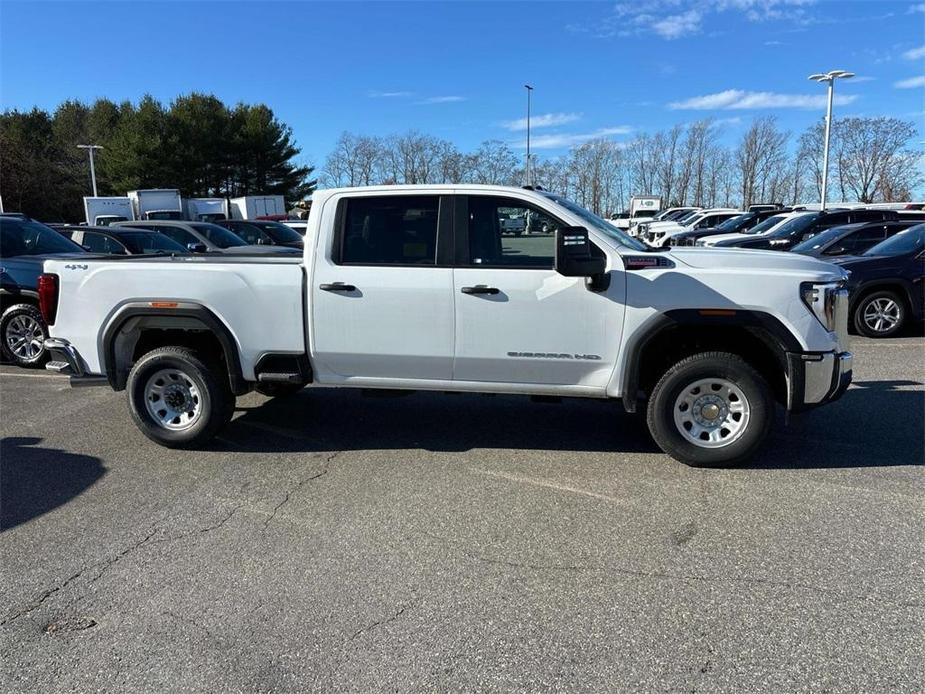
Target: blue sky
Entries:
(457, 70)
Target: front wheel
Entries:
(881, 314)
(176, 399)
(711, 410)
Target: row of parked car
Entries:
(25, 244)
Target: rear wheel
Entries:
(176, 399)
(711, 410)
(880, 314)
(23, 333)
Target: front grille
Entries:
(841, 317)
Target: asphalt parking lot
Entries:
(343, 543)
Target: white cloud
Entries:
(773, 43)
(452, 99)
(736, 99)
(562, 140)
(388, 95)
(910, 83)
(920, 7)
(678, 25)
(915, 53)
(543, 120)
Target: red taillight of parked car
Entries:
(48, 297)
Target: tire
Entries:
(22, 336)
(185, 380)
(880, 314)
(278, 390)
(695, 388)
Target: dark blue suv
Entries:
(24, 246)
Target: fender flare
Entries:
(763, 325)
(117, 377)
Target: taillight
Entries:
(48, 297)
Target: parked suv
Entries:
(125, 241)
(806, 226)
(204, 237)
(887, 283)
(735, 225)
(24, 246)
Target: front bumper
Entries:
(817, 378)
(66, 360)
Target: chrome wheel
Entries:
(173, 400)
(711, 412)
(882, 315)
(25, 338)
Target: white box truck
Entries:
(103, 211)
(642, 208)
(254, 206)
(156, 203)
(205, 209)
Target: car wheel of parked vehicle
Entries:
(278, 390)
(176, 399)
(711, 409)
(23, 331)
(880, 314)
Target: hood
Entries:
(714, 238)
(736, 258)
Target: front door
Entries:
(381, 306)
(517, 319)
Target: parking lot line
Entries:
(537, 482)
(18, 375)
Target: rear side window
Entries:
(390, 230)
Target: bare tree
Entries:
(495, 164)
(758, 158)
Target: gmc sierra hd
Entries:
(419, 288)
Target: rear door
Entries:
(517, 319)
(382, 291)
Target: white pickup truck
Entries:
(416, 288)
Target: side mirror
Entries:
(196, 247)
(573, 254)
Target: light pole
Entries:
(90, 149)
(829, 78)
(529, 93)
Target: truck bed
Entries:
(260, 299)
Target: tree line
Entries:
(871, 160)
(197, 144)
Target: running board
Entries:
(279, 377)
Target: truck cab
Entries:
(421, 288)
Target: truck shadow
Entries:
(876, 423)
(35, 480)
(330, 419)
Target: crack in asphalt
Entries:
(381, 622)
(298, 486)
(664, 575)
(106, 564)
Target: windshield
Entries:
(908, 241)
(279, 232)
(687, 217)
(26, 237)
(819, 240)
(219, 236)
(645, 213)
(795, 226)
(766, 225)
(147, 242)
(735, 223)
(595, 222)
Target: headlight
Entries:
(820, 300)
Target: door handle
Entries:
(481, 289)
(337, 287)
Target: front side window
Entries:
(100, 243)
(218, 236)
(390, 230)
(181, 236)
(504, 232)
(251, 234)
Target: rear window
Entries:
(390, 230)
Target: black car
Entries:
(259, 232)
(741, 224)
(122, 240)
(24, 246)
(887, 283)
(850, 239)
(805, 226)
